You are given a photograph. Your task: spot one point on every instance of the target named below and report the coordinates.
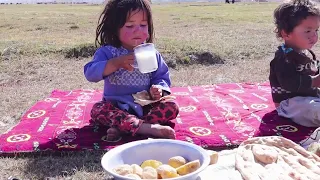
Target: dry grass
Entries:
(230, 31)
(40, 35)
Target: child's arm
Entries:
(161, 77)
(114, 64)
(316, 81)
(103, 64)
(93, 70)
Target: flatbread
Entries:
(276, 158)
(143, 98)
(315, 148)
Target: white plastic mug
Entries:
(146, 58)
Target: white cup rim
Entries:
(142, 45)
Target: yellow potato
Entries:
(137, 169)
(166, 171)
(149, 173)
(177, 161)
(123, 169)
(133, 176)
(152, 163)
(188, 168)
(213, 157)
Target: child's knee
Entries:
(175, 107)
(303, 111)
(172, 109)
(100, 108)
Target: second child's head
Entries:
(297, 23)
(126, 23)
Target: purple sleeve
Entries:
(93, 70)
(161, 77)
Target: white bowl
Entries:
(158, 149)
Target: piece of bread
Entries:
(276, 158)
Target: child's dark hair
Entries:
(288, 15)
(115, 15)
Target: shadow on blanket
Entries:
(90, 137)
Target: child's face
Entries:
(305, 35)
(135, 30)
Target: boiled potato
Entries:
(177, 161)
(149, 173)
(137, 169)
(123, 169)
(167, 171)
(134, 176)
(152, 163)
(213, 157)
(189, 167)
(153, 169)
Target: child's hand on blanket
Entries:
(155, 92)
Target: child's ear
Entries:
(284, 34)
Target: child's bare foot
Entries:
(157, 130)
(113, 134)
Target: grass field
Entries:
(44, 47)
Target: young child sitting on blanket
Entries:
(123, 25)
(294, 71)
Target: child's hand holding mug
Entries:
(125, 62)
